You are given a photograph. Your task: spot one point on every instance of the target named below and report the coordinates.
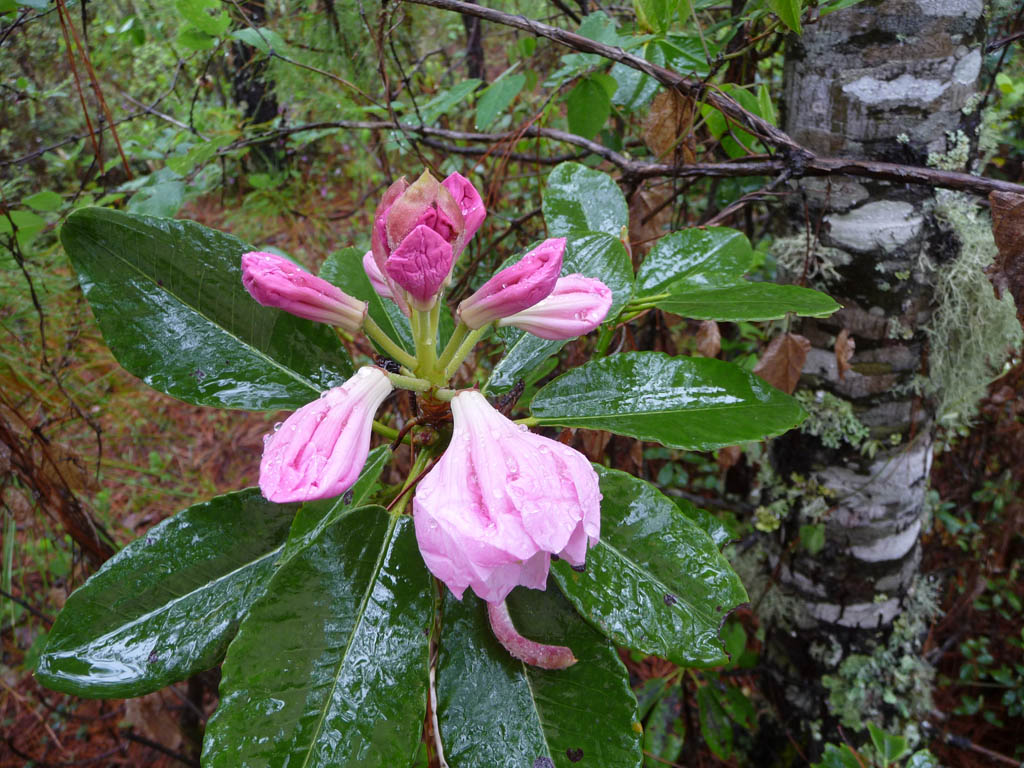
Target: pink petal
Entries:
(577, 305)
(421, 265)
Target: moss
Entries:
(957, 154)
(892, 685)
(971, 332)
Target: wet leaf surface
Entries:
(330, 666)
(496, 711)
(168, 297)
(655, 581)
(168, 604)
(680, 402)
(578, 199)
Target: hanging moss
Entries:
(971, 333)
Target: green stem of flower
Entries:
(410, 382)
(383, 429)
(400, 501)
(464, 348)
(458, 336)
(529, 421)
(385, 342)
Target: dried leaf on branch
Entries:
(1007, 272)
(782, 361)
(845, 346)
(709, 339)
(668, 128)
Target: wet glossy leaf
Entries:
(169, 299)
(839, 757)
(314, 516)
(593, 255)
(578, 199)
(330, 666)
(788, 11)
(891, 746)
(681, 402)
(496, 711)
(694, 259)
(665, 730)
(749, 301)
(168, 604)
(344, 269)
(655, 581)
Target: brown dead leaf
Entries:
(153, 717)
(728, 456)
(782, 361)
(594, 442)
(1007, 272)
(845, 345)
(709, 339)
(649, 219)
(668, 127)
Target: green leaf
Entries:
(697, 273)
(195, 39)
(36, 5)
(169, 299)
(163, 198)
(788, 11)
(684, 54)
(812, 537)
(344, 269)
(448, 99)
(694, 258)
(655, 15)
(580, 199)
(45, 201)
(262, 39)
(891, 747)
(633, 89)
(330, 666)
(198, 14)
(715, 726)
(593, 255)
(314, 516)
(689, 403)
(496, 98)
(496, 711)
(588, 107)
(168, 604)
(749, 301)
(654, 582)
(665, 730)
(839, 757)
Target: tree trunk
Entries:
(884, 80)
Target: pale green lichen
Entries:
(891, 685)
(831, 419)
(971, 332)
(799, 256)
(957, 154)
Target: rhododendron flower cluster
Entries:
(499, 501)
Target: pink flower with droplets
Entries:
(319, 451)
(576, 306)
(501, 501)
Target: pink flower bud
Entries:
(515, 288)
(274, 281)
(469, 202)
(576, 306)
(500, 501)
(319, 451)
(377, 281)
(421, 265)
(408, 211)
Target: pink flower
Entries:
(319, 451)
(418, 231)
(375, 277)
(421, 265)
(500, 502)
(576, 306)
(469, 202)
(274, 281)
(515, 288)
